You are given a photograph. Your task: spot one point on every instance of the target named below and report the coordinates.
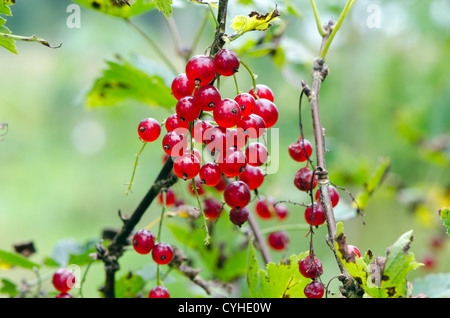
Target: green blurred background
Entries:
(64, 168)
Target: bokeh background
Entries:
(64, 168)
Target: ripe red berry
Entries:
(252, 176)
(207, 97)
(353, 249)
(267, 110)
(64, 295)
(210, 174)
(199, 129)
(173, 122)
(238, 216)
(182, 87)
(246, 103)
(317, 216)
(170, 197)
(201, 70)
(227, 113)
(278, 240)
(257, 154)
(162, 253)
(314, 289)
(310, 267)
(63, 280)
(227, 62)
(159, 292)
(149, 129)
(236, 137)
(252, 126)
(237, 194)
(262, 91)
(187, 108)
(303, 179)
(212, 208)
(174, 143)
(260, 126)
(143, 241)
(186, 166)
(221, 185)
(232, 162)
(281, 211)
(334, 195)
(264, 207)
(300, 150)
(215, 139)
(198, 185)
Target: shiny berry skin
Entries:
(170, 197)
(64, 295)
(278, 240)
(201, 70)
(162, 253)
(262, 91)
(303, 179)
(149, 129)
(310, 268)
(353, 249)
(334, 195)
(174, 143)
(232, 162)
(257, 154)
(252, 176)
(207, 97)
(227, 62)
(317, 216)
(212, 208)
(182, 87)
(314, 289)
(210, 174)
(264, 208)
(239, 216)
(237, 194)
(174, 122)
(215, 139)
(143, 241)
(300, 150)
(267, 110)
(159, 292)
(281, 210)
(186, 166)
(187, 108)
(199, 129)
(260, 126)
(221, 185)
(63, 280)
(236, 137)
(246, 103)
(252, 126)
(227, 113)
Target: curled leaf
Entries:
(254, 21)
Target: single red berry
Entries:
(182, 87)
(238, 216)
(310, 267)
(64, 295)
(237, 194)
(317, 216)
(173, 122)
(215, 139)
(260, 126)
(210, 174)
(221, 185)
(227, 113)
(236, 137)
(257, 154)
(207, 97)
(201, 70)
(174, 143)
(300, 150)
(314, 289)
(281, 210)
(303, 179)
(198, 185)
(149, 129)
(252, 126)
(199, 129)
(232, 162)
(170, 197)
(353, 249)
(246, 103)
(267, 110)
(162, 253)
(212, 208)
(262, 91)
(334, 195)
(264, 207)
(143, 241)
(227, 62)
(253, 176)
(159, 292)
(278, 240)
(63, 280)
(186, 166)
(187, 108)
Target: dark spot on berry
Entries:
(166, 147)
(142, 129)
(211, 105)
(163, 257)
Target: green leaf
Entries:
(433, 285)
(254, 21)
(4, 6)
(9, 259)
(71, 252)
(6, 42)
(136, 7)
(165, 6)
(129, 286)
(122, 81)
(444, 214)
(8, 287)
(282, 280)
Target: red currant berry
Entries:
(199, 129)
(221, 185)
(310, 267)
(246, 103)
(300, 150)
(281, 211)
(257, 154)
(162, 253)
(174, 143)
(143, 241)
(232, 162)
(237, 194)
(250, 126)
(207, 97)
(198, 185)
(264, 207)
(237, 137)
(159, 292)
(187, 108)
(227, 62)
(267, 110)
(262, 91)
(186, 166)
(64, 295)
(212, 208)
(173, 122)
(317, 216)
(314, 289)
(182, 87)
(201, 70)
(278, 240)
(259, 128)
(170, 197)
(303, 179)
(253, 176)
(63, 280)
(334, 195)
(210, 174)
(215, 139)
(227, 113)
(238, 216)
(149, 129)
(353, 249)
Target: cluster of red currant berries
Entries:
(63, 280)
